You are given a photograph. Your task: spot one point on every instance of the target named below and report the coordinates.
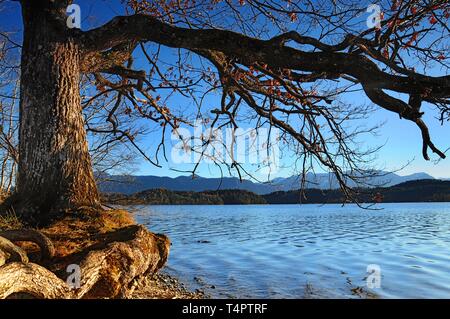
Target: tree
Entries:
(279, 59)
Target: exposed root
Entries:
(110, 272)
(109, 269)
(3, 258)
(31, 279)
(34, 236)
(15, 253)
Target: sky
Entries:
(401, 138)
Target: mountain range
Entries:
(133, 184)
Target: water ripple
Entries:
(293, 251)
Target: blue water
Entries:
(307, 251)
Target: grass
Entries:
(10, 221)
(76, 231)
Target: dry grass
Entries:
(77, 231)
(10, 221)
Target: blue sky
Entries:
(402, 138)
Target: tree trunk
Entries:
(54, 171)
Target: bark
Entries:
(109, 270)
(54, 170)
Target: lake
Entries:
(307, 251)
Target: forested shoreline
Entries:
(413, 191)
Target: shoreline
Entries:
(164, 286)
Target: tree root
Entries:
(31, 279)
(3, 258)
(15, 253)
(34, 236)
(108, 270)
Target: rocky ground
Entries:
(164, 286)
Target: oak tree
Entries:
(281, 63)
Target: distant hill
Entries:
(412, 191)
(166, 197)
(163, 197)
(133, 184)
(237, 196)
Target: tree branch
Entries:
(276, 54)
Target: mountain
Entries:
(329, 181)
(133, 184)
